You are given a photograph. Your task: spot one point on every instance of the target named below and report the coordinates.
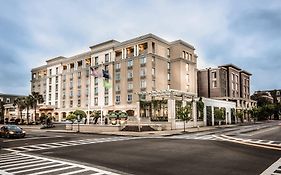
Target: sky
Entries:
(244, 33)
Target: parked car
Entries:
(12, 131)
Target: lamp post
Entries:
(78, 120)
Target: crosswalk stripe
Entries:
(53, 170)
(25, 163)
(17, 161)
(75, 172)
(33, 169)
(26, 166)
(67, 143)
(11, 160)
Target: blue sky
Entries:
(245, 33)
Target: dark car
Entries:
(11, 131)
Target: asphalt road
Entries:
(171, 156)
(198, 153)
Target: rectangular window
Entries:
(214, 84)
(187, 78)
(8, 100)
(79, 83)
(236, 78)
(71, 94)
(57, 79)
(96, 80)
(117, 87)
(79, 102)
(50, 72)
(96, 60)
(57, 70)
(106, 100)
(143, 60)
(57, 87)
(96, 101)
(117, 99)
(168, 52)
(50, 88)
(214, 75)
(57, 96)
(71, 84)
(169, 66)
(143, 84)
(232, 76)
(50, 97)
(130, 97)
(130, 86)
(130, 63)
(187, 67)
(96, 91)
(169, 77)
(117, 66)
(130, 74)
(79, 74)
(71, 103)
(117, 76)
(50, 80)
(142, 72)
(106, 58)
(153, 84)
(79, 93)
(153, 72)
(153, 47)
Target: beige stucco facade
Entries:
(143, 64)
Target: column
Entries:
(60, 116)
(138, 114)
(135, 50)
(213, 118)
(172, 113)
(205, 115)
(194, 112)
(122, 55)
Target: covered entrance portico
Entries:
(161, 107)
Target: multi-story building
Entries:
(227, 82)
(143, 64)
(7, 110)
(273, 96)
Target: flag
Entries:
(106, 84)
(105, 74)
(88, 61)
(94, 72)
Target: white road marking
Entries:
(58, 165)
(262, 145)
(273, 168)
(31, 138)
(67, 143)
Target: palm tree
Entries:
(29, 102)
(20, 103)
(38, 98)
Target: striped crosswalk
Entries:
(196, 137)
(24, 164)
(67, 143)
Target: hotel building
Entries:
(140, 65)
(227, 82)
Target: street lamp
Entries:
(78, 120)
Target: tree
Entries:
(219, 114)
(72, 116)
(20, 103)
(2, 111)
(38, 98)
(29, 101)
(200, 108)
(239, 115)
(184, 114)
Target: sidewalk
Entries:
(150, 133)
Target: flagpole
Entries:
(89, 94)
